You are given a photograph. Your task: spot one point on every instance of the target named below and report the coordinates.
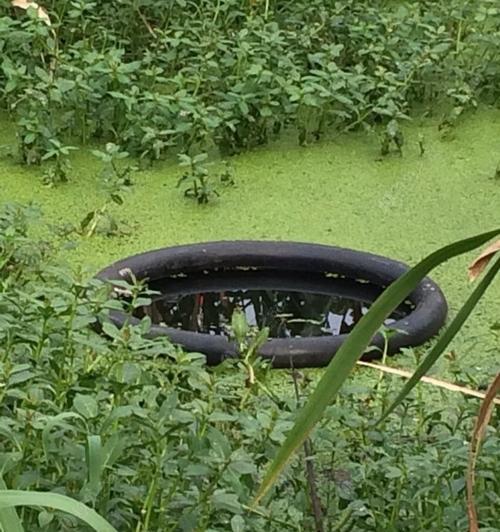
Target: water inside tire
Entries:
(291, 304)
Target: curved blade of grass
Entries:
(95, 464)
(445, 338)
(9, 520)
(358, 340)
(11, 498)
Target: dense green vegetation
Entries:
(152, 440)
(370, 125)
(154, 76)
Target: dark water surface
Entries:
(290, 304)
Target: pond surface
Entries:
(338, 192)
(290, 304)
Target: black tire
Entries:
(423, 322)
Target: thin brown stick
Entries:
(483, 418)
(428, 380)
(310, 473)
(311, 480)
(146, 23)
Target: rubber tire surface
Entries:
(425, 320)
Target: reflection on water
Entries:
(290, 304)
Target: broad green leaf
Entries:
(260, 339)
(113, 449)
(12, 498)
(200, 158)
(351, 350)
(237, 523)
(223, 500)
(239, 325)
(57, 421)
(7, 432)
(42, 74)
(116, 414)
(445, 338)
(86, 405)
(111, 330)
(45, 518)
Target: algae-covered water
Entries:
(335, 192)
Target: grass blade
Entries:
(11, 498)
(358, 340)
(445, 338)
(9, 520)
(95, 465)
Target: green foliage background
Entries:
(153, 440)
(154, 75)
(137, 429)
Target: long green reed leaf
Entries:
(12, 498)
(445, 338)
(9, 520)
(358, 340)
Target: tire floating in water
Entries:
(276, 277)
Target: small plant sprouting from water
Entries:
(392, 137)
(59, 171)
(115, 182)
(421, 144)
(101, 220)
(112, 169)
(227, 175)
(196, 180)
(249, 341)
